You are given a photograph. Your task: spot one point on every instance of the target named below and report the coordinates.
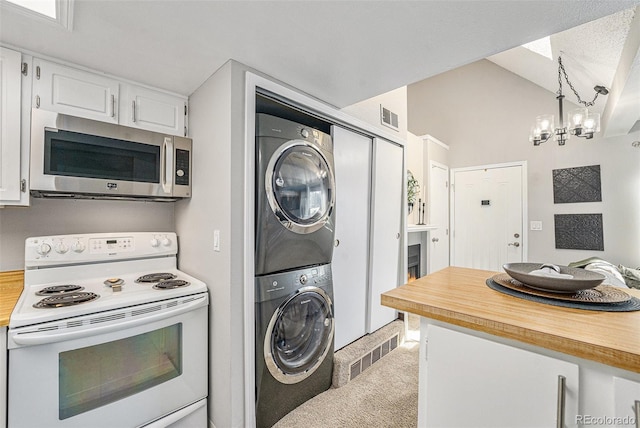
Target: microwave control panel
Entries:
(182, 167)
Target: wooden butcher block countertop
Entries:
(11, 284)
(460, 296)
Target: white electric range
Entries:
(105, 330)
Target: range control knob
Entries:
(166, 241)
(304, 133)
(77, 246)
(154, 242)
(61, 248)
(303, 279)
(43, 249)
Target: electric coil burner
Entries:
(156, 277)
(67, 299)
(171, 284)
(59, 289)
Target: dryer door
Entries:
(300, 186)
(299, 335)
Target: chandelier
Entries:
(580, 122)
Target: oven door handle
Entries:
(49, 336)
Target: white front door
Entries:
(438, 216)
(488, 216)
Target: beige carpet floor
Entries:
(384, 395)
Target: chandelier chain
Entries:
(563, 71)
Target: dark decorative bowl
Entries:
(582, 279)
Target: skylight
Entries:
(57, 12)
(541, 47)
(43, 7)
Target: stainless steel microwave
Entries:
(82, 158)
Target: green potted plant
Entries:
(413, 189)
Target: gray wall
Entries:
(485, 113)
(58, 217)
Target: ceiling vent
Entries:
(388, 118)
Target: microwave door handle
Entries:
(166, 161)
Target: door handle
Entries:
(561, 401)
(515, 244)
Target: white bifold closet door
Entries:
(387, 241)
(352, 158)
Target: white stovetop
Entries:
(92, 280)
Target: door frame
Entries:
(525, 200)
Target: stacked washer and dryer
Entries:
(294, 325)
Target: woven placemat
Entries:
(633, 304)
(599, 294)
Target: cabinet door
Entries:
(152, 110)
(477, 383)
(75, 92)
(386, 236)
(10, 83)
(626, 395)
(352, 159)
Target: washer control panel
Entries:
(283, 284)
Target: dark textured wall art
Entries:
(581, 184)
(579, 231)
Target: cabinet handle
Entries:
(133, 111)
(113, 106)
(337, 243)
(397, 235)
(37, 101)
(435, 240)
(636, 409)
(561, 401)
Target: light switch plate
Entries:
(216, 240)
(536, 225)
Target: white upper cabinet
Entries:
(81, 93)
(75, 92)
(10, 165)
(152, 110)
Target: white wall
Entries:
(415, 155)
(58, 217)
(217, 129)
(369, 111)
(485, 112)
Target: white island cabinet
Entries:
(489, 359)
(477, 383)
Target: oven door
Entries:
(124, 375)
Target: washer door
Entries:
(299, 335)
(300, 187)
